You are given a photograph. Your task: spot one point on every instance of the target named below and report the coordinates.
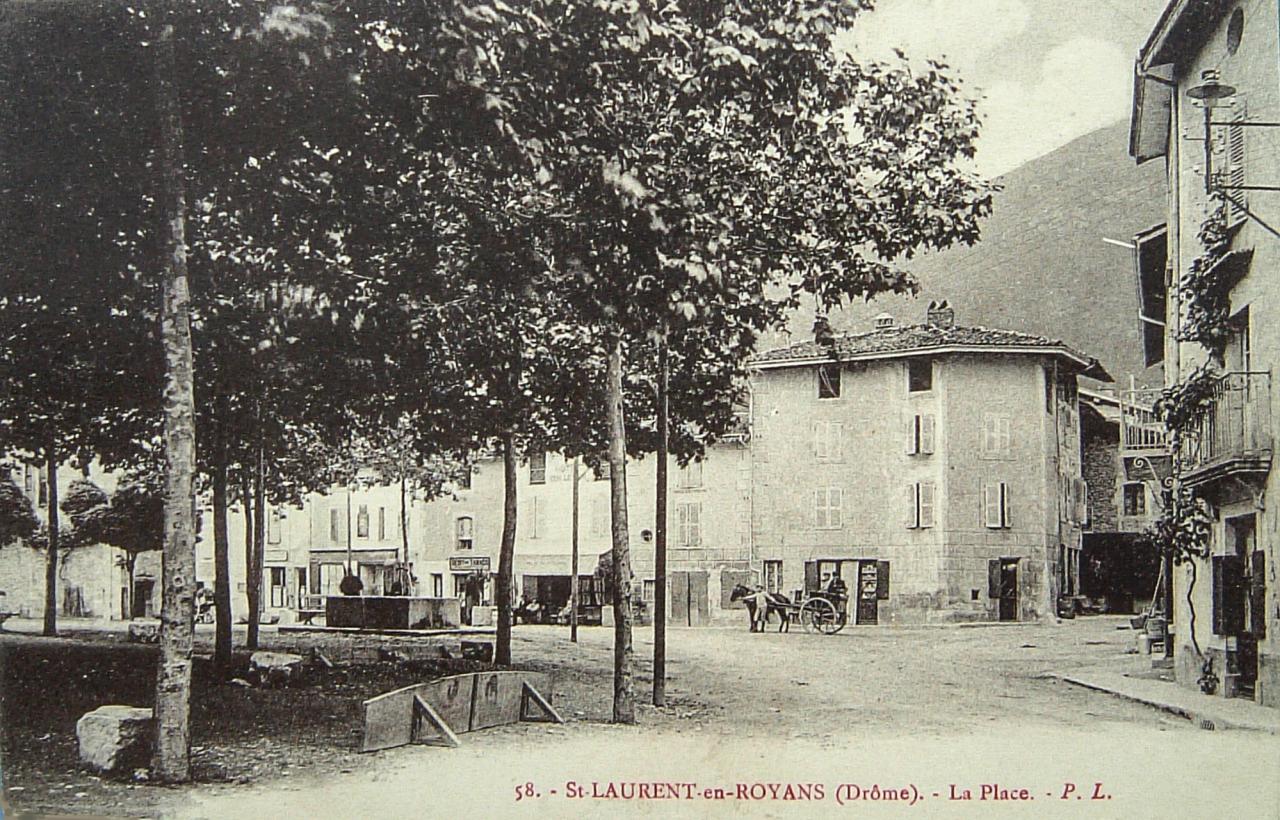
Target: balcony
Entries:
(1233, 436)
(1141, 432)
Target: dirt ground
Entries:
(871, 705)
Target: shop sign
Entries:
(477, 563)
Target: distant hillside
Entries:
(1041, 266)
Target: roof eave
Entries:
(1087, 367)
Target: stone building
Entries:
(1207, 103)
(935, 468)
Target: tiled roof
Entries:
(906, 340)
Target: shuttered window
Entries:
(689, 524)
(1230, 159)
(920, 434)
(828, 441)
(920, 505)
(827, 508)
(995, 505)
(997, 435)
(690, 476)
(538, 468)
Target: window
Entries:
(689, 524)
(996, 435)
(995, 506)
(466, 532)
(362, 521)
(920, 505)
(537, 517)
(920, 434)
(1135, 498)
(601, 470)
(690, 476)
(827, 502)
(43, 498)
(335, 525)
(273, 526)
(538, 468)
(277, 586)
(648, 590)
(330, 577)
(829, 381)
(437, 585)
(600, 516)
(464, 478)
(919, 375)
(828, 440)
(382, 523)
(773, 576)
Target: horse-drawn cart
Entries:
(824, 612)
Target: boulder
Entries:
(116, 739)
(275, 669)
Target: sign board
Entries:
(478, 563)
(275, 556)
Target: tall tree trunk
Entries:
(246, 493)
(51, 556)
(660, 539)
(130, 567)
(404, 523)
(507, 552)
(624, 707)
(254, 587)
(574, 592)
(177, 615)
(221, 546)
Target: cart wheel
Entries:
(819, 615)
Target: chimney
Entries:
(883, 322)
(940, 314)
(822, 333)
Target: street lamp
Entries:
(1212, 92)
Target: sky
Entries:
(1045, 71)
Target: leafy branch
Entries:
(1205, 287)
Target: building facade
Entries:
(1207, 103)
(935, 468)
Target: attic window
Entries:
(919, 375)
(829, 381)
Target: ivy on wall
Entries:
(1205, 287)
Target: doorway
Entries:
(868, 600)
(1242, 541)
(689, 598)
(141, 605)
(1006, 587)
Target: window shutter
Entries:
(695, 524)
(926, 504)
(818, 452)
(912, 442)
(988, 434)
(1084, 503)
(835, 446)
(811, 576)
(991, 505)
(1258, 595)
(1233, 174)
(834, 508)
(1005, 426)
(913, 507)
(993, 578)
(819, 508)
(926, 434)
(882, 580)
(1006, 518)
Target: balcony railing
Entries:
(1140, 429)
(1234, 430)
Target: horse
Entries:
(761, 604)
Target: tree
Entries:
(719, 160)
(17, 518)
(131, 519)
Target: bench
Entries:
(306, 616)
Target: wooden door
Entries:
(1009, 589)
(866, 589)
(698, 604)
(680, 598)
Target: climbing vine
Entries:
(1205, 287)
(1181, 405)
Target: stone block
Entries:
(275, 669)
(115, 739)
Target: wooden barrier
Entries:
(439, 711)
